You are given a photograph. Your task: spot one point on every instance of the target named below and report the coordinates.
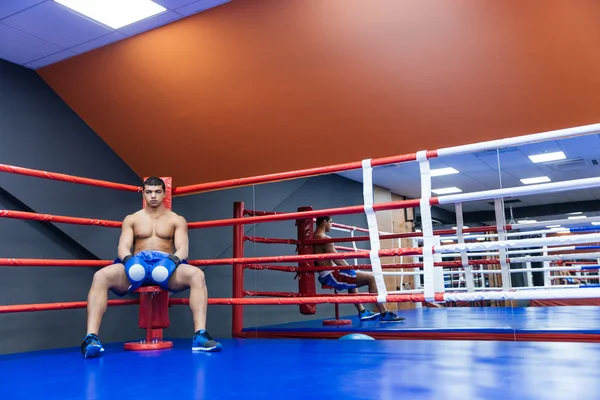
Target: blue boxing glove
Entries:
(135, 270)
(162, 271)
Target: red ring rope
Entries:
(272, 294)
(393, 205)
(307, 257)
(346, 299)
(400, 235)
(303, 173)
(254, 213)
(283, 268)
(58, 218)
(36, 262)
(67, 178)
(344, 248)
(256, 239)
(59, 306)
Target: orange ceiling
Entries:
(262, 86)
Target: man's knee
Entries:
(108, 277)
(100, 278)
(198, 277)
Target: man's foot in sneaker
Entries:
(91, 346)
(366, 315)
(389, 316)
(202, 341)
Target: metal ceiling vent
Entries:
(570, 165)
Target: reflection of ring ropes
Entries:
(427, 247)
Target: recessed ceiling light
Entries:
(443, 171)
(575, 213)
(577, 217)
(527, 221)
(447, 190)
(546, 157)
(538, 179)
(114, 13)
(553, 226)
(595, 223)
(464, 227)
(481, 239)
(447, 241)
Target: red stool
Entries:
(337, 320)
(153, 316)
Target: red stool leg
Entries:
(149, 318)
(337, 320)
(153, 317)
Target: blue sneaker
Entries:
(366, 315)
(202, 341)
(389, 316)
(91, 346)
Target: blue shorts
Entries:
(339, 280)
(149, 268)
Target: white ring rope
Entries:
(559, 240)
(517, 140)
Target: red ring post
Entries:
(306, 279)
(237, 315)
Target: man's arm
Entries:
(126, 239)
(330, 248)
(181, 240)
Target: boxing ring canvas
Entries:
(312, 369)
(544, 324)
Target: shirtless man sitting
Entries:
(347, 279)
(153, 233)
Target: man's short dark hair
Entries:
(320, 220)
(154, 181)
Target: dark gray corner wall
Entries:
(32, 285)
(38, 130)
(319, 192)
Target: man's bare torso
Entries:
(321, 249)
(153, 232)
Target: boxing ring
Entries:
(471, 331)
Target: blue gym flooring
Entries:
(309, 369)
(478, 321)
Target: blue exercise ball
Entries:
(356, 336)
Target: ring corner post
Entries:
(237, 316)
(306, 279)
